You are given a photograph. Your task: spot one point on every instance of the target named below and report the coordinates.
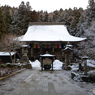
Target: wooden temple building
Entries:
(47, 36)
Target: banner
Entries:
(46, 45)
(34, 46)
(59, 46)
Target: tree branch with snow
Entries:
(10, 43)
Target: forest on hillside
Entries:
(79, 22)
(16, 20)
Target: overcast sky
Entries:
(48, 5)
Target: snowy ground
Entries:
(14, 82)
(87, 86)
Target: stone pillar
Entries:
(85, 64)
(67, 59)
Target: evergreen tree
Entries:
(56, 16)
(61, 10)
(86, 19)
(70, 18)
(7, 15)
(23, 16)
(46, 19)
(41, 17)
(17, 25)
(34, 16)
(86, 28)
(2, 24)
(75, 16)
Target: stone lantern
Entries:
(24, 58)
(47, 61)
(85, 64)
(67, 54)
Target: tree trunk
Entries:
(11, 57)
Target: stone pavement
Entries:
(48, 83)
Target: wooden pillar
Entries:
(67, 62)
(80, 66)
(41, 61)
(41, 49)
(53, 48)
(52, 64)
(31, 52)
(42, 65)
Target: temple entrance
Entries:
(35, 50)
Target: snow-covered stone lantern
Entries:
(47, 61)
(85, 64)
(67, 53)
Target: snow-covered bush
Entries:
(91, 75)
(74, 67)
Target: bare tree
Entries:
(10, 43)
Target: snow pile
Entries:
(36, 63)
(74, 67)
(91, 63)
(57, 65)
(78, 78)
(91, 74)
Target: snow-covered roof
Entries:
(6, 53)
(47, 55)
(49, 33)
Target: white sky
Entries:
(48, 5)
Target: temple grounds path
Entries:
(37, 82)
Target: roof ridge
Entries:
(46, 23)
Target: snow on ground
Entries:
(57, 65)
(90, 63)
(87, 86)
